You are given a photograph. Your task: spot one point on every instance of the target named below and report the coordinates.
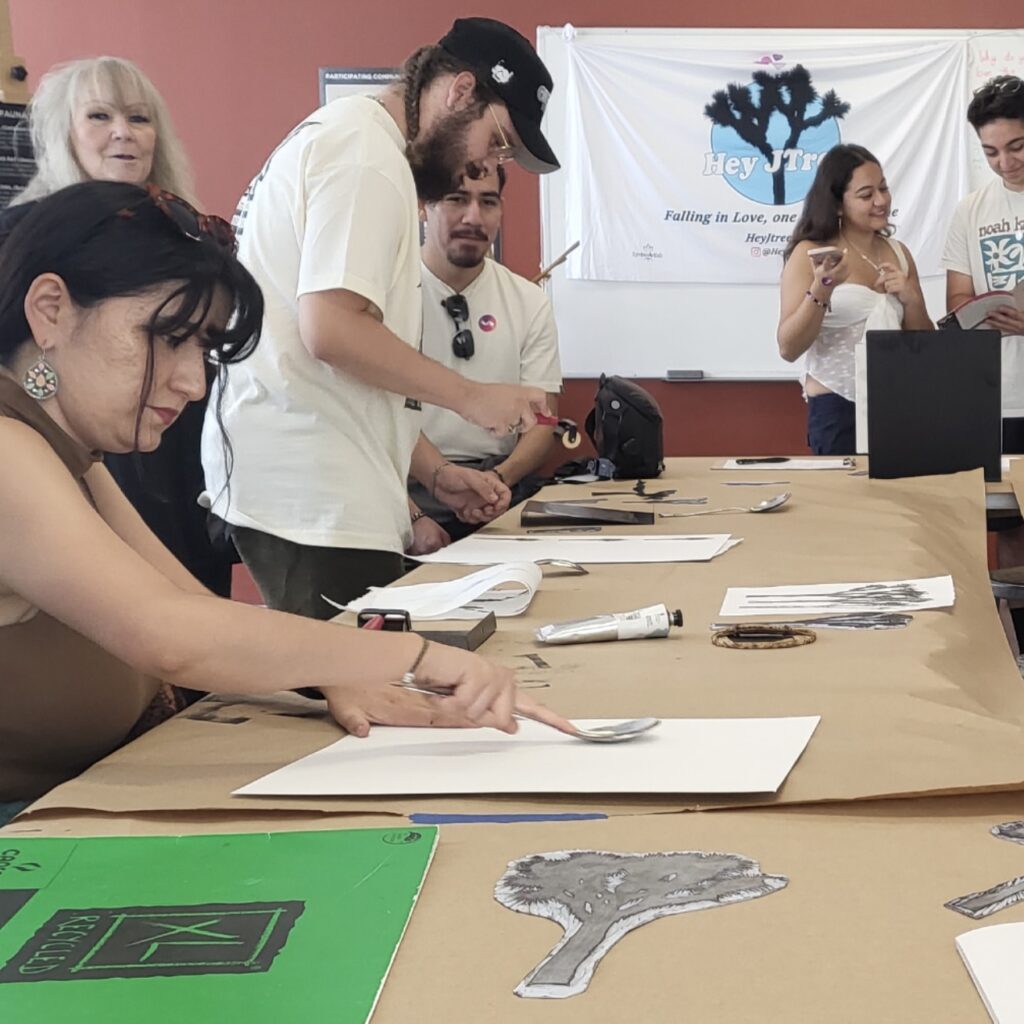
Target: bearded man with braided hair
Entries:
(324, 419)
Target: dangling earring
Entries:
(40, 380)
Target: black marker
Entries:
(767, 458)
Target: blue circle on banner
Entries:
(755, 181)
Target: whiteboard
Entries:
(642, 329)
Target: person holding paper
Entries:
(487, 324)
(844, 275)
(324, 420)
(112, 297)
(985, 245)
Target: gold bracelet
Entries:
(409, 678)
(433, 479)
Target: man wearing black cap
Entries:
(323, 419)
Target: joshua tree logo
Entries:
(768, 136)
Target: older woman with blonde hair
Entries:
(102, 119)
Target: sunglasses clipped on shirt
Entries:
(456, 306)
(189, 221)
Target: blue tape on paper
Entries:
(425, 818)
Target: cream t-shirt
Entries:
(986, 242)
(318, 457)
(515, 342)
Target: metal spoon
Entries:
(768, 505)
(568, 567)
(616, 732)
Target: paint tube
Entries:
(639, 625)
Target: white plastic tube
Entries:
(644, 623)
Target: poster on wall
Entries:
(17, 163)
(690, 157)
(338, 82)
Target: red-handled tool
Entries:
(564, 429)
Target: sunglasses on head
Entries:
(457, 308)
(189, 221)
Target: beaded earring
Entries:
(40, 380)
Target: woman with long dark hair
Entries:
(112, 298)
(844, 275)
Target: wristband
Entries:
(500, 476)
(827, 306)
(417, 516)
(409, 678)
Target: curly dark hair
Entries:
(999, 97)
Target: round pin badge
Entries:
(487, 322)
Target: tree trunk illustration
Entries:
(564, 962)
(598, 897)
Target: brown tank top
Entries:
(65, 703)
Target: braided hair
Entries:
(423, 68)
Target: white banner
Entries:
(688, 160)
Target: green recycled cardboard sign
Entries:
(264, 927)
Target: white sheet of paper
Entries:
(607, 548)
(468, 597)
(860, 384)
(785, 467)
(681, 755)
(820, 598)
(993, 956)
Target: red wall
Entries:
(237, 74)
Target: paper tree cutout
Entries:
(977, 905)
(598, 897)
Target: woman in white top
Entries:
(829, 301)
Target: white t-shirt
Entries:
(320, 458)
(515, 342)
(986, 242)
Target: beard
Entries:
(438, 159)
(467, 256)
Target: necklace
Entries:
(1013, 220)
(865, 258)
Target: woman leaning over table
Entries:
(111, 299)
(828, 305)
(102, 119)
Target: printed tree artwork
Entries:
(597, 897)
(977, 905)
(867, 595)
(749, 112)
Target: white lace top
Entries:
(856, 309)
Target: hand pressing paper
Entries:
(506, 589)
